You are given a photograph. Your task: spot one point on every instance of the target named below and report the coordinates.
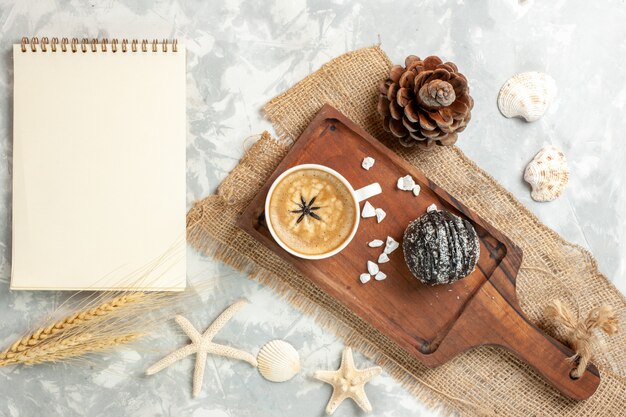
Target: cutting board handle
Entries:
(547, 355)
(493, 317)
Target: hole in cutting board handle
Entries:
(572, 377)
(571, 371)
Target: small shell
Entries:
(380, 276)
(547, 174)
(527, 95)
(383, 258)
(364, 278)
(416, 190)
(278, 361)
(432, 207)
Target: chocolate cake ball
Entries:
(440, 248)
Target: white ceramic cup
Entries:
(357, 196)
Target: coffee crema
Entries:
(312, 211)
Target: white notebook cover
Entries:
(98, 170)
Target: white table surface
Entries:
(242, 54)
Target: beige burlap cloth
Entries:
(483, 381)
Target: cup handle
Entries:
(368, 191)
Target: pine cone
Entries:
(425, 103)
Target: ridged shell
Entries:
(547, 174)
(527, 95)
(278, 361)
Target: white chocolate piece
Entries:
(376, 243)
(372, 268)
(391, 245)
(380, 276)
(367, 163)
(368, 210)
(406, 183)
(380, 215)
(365, 278)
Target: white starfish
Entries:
(202, 345)
(348, 382)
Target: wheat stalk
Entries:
(103, 322)
(68, 348)
(76, 319)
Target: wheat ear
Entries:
(73, 320)
(70, 347)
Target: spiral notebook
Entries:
(98, 165)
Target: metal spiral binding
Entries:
(85, 44)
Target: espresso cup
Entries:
(315, 213)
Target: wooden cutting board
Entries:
(432, 323)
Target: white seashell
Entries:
(527, 95)
(368, 210)
(365, 278)
(383, 258)
(367, 163)
(376, 243)
(278, 361)
(432, 207)
(416, 190)
(405, 183)
(380, 215)
(391, 245)
(372, 268)
(380, 276)
(547, 174)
